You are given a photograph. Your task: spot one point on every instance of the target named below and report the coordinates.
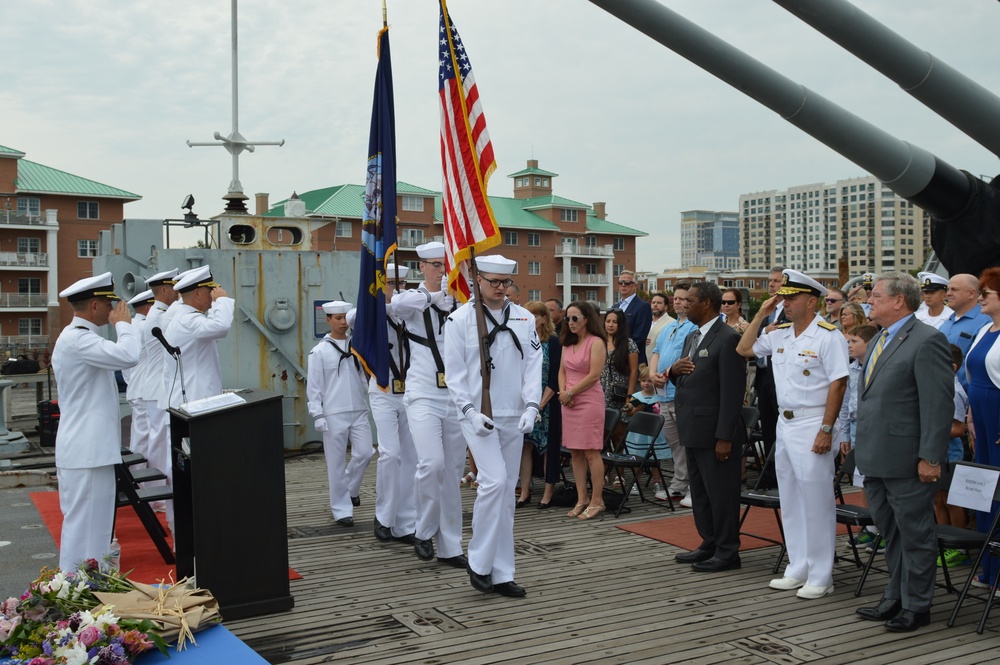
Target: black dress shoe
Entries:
(521, 503)
(885, 610)
(543, 505)
(408, 539)
(907, 621)
(424, 549)
(694, 556)
(716, 565)
(355, 500)
(382, 533)
(479, 582)
(510, 589)
(454, 561)
(346, 521)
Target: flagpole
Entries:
(385, 20)
(485, 363)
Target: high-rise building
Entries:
(810, 227)
(710, 239)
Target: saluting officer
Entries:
(496, 443)
(335, 390)
(88, 443)
(202, 319)
(139, 433)
(432, 416)
(809, 359)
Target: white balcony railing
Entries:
(33, 260)
(410, 242)
(23, 300)
(568, 249)
(12, 217)
(24, 341)
(582, 279)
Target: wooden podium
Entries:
(229, 504)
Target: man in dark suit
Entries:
(638, 313)
(710, 378)
(905, 405)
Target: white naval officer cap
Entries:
(390, 271)
(337, 307)
(794, 282)
(431, 250)
(495, 264)
(931, 281)
(98, 286)
(161, 278)
(192, 279)
(868, 279)
(144, 298)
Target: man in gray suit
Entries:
(905, 404)
(710, 378)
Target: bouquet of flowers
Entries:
(58, 620)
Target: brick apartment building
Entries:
(565, 249)
(49, 225)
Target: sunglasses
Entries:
(728, 302)
(497, 283)
(833, 300)
(574, 319)
(625, 283)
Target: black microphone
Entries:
(158, 334)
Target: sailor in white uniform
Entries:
(810, 363)
(395, 502)
(335, 394)
(202, 319)
(134, 377)
(150, 385)
(515, 366)
(933, 311)
(88, 443)
(432, 415)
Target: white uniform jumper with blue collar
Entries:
(433, 420)
(335, 390)
(88, 443)
(516, 384)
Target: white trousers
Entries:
(351, 426)
(440, 446)
(805, 483)
(679, 483)
(87, 502)
(498, 460)
(139, 440)
(158, 454)
(395, 501)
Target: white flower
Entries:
(72, 654)
(86, 619)
(106, 618)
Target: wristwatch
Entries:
(826, 429)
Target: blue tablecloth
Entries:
(215, 645)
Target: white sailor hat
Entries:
(98, 286)
(794, 282)
(192, 279)
(431, 250)
(868, 279)
(144, 298)
(495, 264)
(931, 281)
(160, 278)
(390, 271)
(337, 307)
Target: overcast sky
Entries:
(111, 90)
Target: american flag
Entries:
(466, 157)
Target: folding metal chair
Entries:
(645, 424)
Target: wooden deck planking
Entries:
(368, 602)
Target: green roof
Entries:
(5, 151)
(348, 201)
(533, 170)
(37, 179)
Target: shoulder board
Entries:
(827, 325)
(785, 325)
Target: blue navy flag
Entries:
(378, 228)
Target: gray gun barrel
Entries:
(910, 171)
(943, 89)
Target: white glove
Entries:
(482, 425)
(320, 425)
(527, 422)
(444, 283)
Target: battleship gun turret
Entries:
(965, 211)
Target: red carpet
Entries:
(139, 554)
(680, 530)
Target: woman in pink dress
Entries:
(582, 400)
